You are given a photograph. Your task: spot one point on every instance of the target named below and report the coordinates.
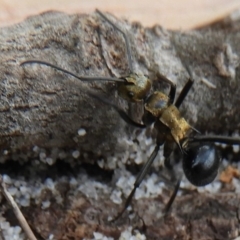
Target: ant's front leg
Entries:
(121, 112)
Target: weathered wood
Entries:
(42, 107)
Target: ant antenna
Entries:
(129, 54)
(82, 78)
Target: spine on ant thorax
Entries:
(172, 118)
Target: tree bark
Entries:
(41, 107)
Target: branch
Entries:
(40, 106)
(21, 219)
(43, 107)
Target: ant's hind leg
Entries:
(138, 181)
(172, 198)
(168, 149)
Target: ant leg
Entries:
(167, 151)
(215, 138)
(138, 181)
(172, 92)
(172, 198)
(122, 114)
(126, 39)
(184, 93)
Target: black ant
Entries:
(201, 159)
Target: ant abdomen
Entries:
(201, 163)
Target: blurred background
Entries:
(172, 14)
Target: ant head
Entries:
(201, 163)
(135, 89)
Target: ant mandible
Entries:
(201, 159)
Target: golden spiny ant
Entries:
(201, 160)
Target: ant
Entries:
(201, 159)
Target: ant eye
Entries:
(131, 94)
(201, 163)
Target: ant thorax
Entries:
(157, 103)
(159, 106)
(136, 88)
(172, 118)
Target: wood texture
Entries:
(40, 106)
